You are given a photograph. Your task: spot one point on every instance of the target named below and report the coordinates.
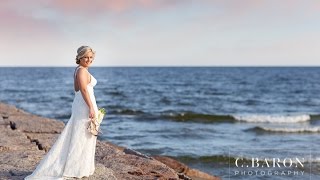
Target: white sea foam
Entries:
(273, 118)
(293, 130)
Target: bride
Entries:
(73, 153)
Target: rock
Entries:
(133, 152)
(132, 165)
(44, 141)
(102, 173)
(26, 122)
(26, 138)
(184, 169)
(7, 110)
(35, 124)
(18, 155)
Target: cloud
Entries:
(18, 24)
(125, 13)
(162, 29)
(93, 8)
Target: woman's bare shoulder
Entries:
(82, 72)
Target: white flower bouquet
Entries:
(94, 125)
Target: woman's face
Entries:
(87, 59)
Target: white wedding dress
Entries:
(73, 153)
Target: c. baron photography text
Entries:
(269, 166)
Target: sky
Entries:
(161, 32)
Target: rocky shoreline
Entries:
(25, 138)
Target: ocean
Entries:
(233, 122)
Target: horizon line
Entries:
(159, 66)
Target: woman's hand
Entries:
(92, 114)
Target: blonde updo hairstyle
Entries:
(83, 50)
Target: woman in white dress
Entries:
(73, 153)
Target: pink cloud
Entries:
(18, 25)
(231, 12)
(24, 26)
(16, 15)
(113, 6)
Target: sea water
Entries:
(207, 117)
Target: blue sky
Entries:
(161, 32)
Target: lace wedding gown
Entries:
(73, 153)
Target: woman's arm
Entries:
(83, 81)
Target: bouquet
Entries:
(94, 125)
